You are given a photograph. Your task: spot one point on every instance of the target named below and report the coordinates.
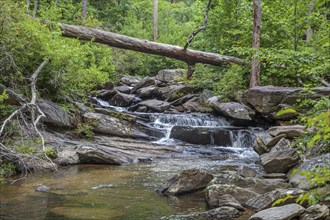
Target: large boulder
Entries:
(147, 81)
(291, 131)
(108, 150)
(55, 115)
(185, 182)
(268, 100)
(201, 135)
(215, 192)
(257, 185)
(229, 200)
(106, 124)
(146, 92)
(123, 100)
(300, 181)
(205, 95)
(316, 212)
(283, 144)
(192, 105)
(169, 75)
(106, 94)
(260, 146)
(266, 200)
(234, 110)
(163, 93)
(124, 89)
(279, 161)
(129, 80)
(155, 105)
(287, 212)
(223, 213)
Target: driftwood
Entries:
(125, 42)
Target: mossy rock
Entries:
(286, 114)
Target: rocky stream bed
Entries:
(183, 154)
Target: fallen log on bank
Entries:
(130, 43)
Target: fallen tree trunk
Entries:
(121, 41)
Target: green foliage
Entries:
(50, 152)
(85, 129)
(75, 67)
(286, 111)
(4, 108)
(317, 121)
(5, 171)
(317, 177)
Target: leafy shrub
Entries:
(5, 171)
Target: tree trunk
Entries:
(155, 19)
(28, 7)
(145, 46)
(35, 8)
(309, 32)
(84, 9)
(255, 65)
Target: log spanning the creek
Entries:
(130, 43)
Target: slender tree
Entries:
(255, 65)
(155, 19)
(35, 8)
(84, 9)
(309, 32)
(27, 6)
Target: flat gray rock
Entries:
(287, 212)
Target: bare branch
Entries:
(201, 28)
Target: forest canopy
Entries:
(294, 49)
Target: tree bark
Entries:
(28, 7)
(255, 65)
(145, 46)
(35, 9)
(84, 9)
(155, 20)
(309, 32)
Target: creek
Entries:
(74, 191)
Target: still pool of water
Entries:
(71, 196)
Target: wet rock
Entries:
(129, 80)
(234, 110)
(143, 83)
(186, 182)
(146, 92)
(268, 100)
(260, 145)
(279, 161)
(287, 212)
(108, 85)
(216, 191)
(104, 186)
(42, 188)
(124, 89)
(163, 93)
(67, 157)
(205, 95)
(275, 176)
(182, 100)
(55, 115)
(106, 124)
(192, 105)
(180, 91)
(123, 100)
(283, 144)
(257, 185)
(113, 150)
(266, 200)
(223, 213)
(201, 135)
(245, 171)
(169, 75)
(275, 141)
(316, 212)
(106, 94)
(290, 131)
(229, 200)
(155, 105)
(299, 180)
